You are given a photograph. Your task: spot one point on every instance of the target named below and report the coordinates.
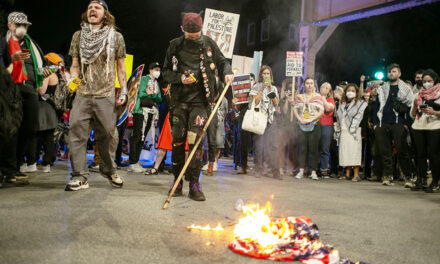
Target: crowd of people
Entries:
(378, 131)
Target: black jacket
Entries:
(214, 59)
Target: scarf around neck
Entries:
(428, 94)
(19, 73)
(93, 42)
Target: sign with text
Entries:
(222, 28)
(294, 63)
(241, 86)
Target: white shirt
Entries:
(425, 121)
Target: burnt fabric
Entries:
(294, 248)
(188, 121)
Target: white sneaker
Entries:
(114, 180)
(215, 167)
(281, 171)
(45, 168)
(76, 185)
(31, 168)
(300, 175)
(23, 167)
(136, 168)
(205, 168)
(314, 176)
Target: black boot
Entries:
(195, 192)
(432, 189)
(178, 192)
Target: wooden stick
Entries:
(193, 151)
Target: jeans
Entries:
(326, 139)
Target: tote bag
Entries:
(254, 120)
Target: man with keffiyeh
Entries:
(94, 50)
(27, 59)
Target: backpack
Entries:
(11, 110)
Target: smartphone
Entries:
(25, 50)
(423, 106)
(267, 80)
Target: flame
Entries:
(205, 228)
(258, 227)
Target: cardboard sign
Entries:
(128, 63)
(222, 28)
(294, 63)
(241, 64)
(241, 86)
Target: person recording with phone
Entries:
(265, 96)
(426, 131)
(27, 58)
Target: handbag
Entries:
(147, 102)
(254, 120)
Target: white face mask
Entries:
(350, 95)
(428, 85)
(156, 74)
(20, 32)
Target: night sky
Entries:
(410, 37)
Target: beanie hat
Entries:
(192, 22)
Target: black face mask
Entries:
(419, 83)
(198, 41)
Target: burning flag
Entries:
(284, 239)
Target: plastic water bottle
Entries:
(239, 205)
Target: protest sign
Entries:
(222, 28)
(241, 86)
(294, 63)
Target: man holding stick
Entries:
(190, 64)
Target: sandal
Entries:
(356, 179)
(151, 171)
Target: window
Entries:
(265, 29)
(251, 34)
(293, 33)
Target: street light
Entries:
(379, 75)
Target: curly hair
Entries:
(108, 20)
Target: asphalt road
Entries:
(41, 223)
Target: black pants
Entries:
(384, 136)
(334, 157)
(309, 146)
(366, 156)
(136, 142)
(27, 135)
(48, 143)
(427, 144)
(245, 141)
(121, 128)
(8, 159)
(188, 121)
(212, 138)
